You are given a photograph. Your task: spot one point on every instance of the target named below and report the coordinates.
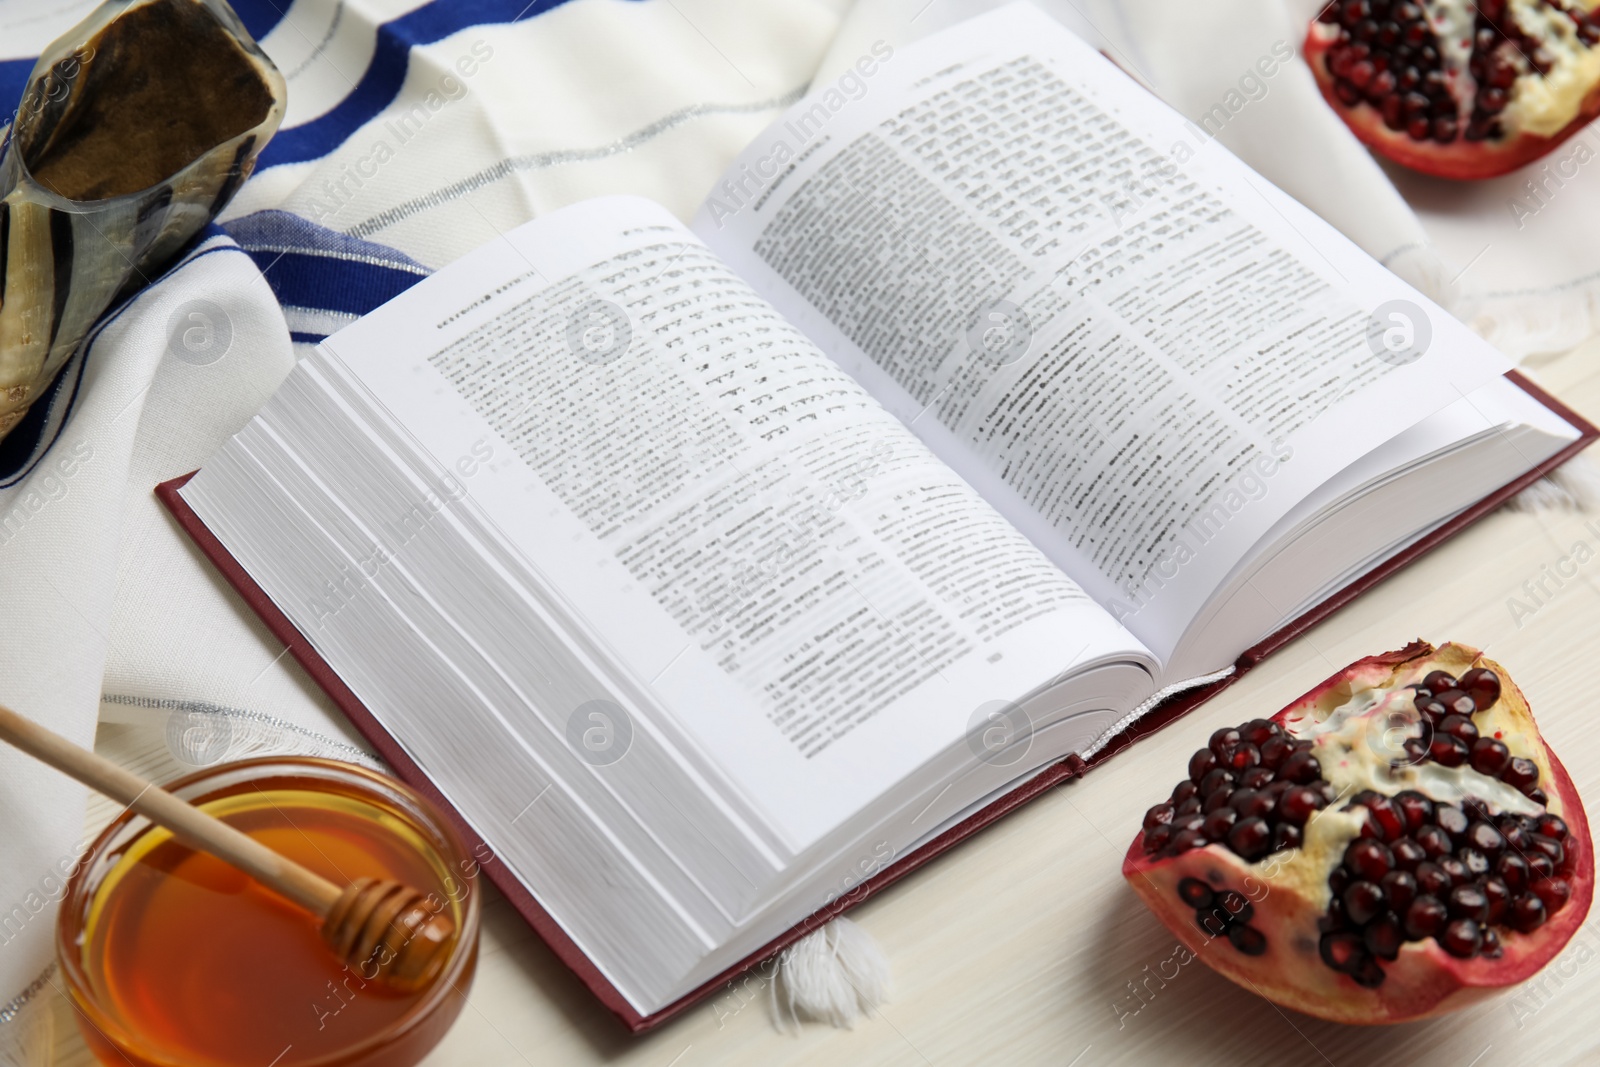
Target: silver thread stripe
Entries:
(540, 160)
(20, 1001)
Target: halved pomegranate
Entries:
(1395, 844)
(1455, 88)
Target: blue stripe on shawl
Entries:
(385, 75)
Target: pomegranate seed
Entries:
(1539, 866)
(1550, 847)
(1384, 937)
(1528, 913)
(1341, 60)
(1444, 131)
(1455, 701)
(1274, 751)
(1425, 917)
(1300, 768)
(1393, 112)
(1218, 823)
(1184, 840)
(1407, 854)
(1257, 731)
(1459, 875)
(1513, 869)
(1438, 681)
(1157, 839)
(1502, 76)
(1183, 791)
(1222, 742)
(1157, 816)
(1215, 779)
(1361, 73)
(1244, 756)
(1236, 904)
(1555, 892)
(1250, 838)
(1520, 773)
(1490, 756)
(1347, 92)
(1432, 880)
(1211, 922)
(1482, 684)
(1341, 951)
(1537, 796)
(1462, 938)
(1217, 800)
(1499, 896)
(1491, 945)
(1451, 820)
(1363, 901)
(1247, 939)
(1388, 33)
(1285, 835)
(1340, 877)
(1256, 778)
(1415, 34)
(1188, 807)
(1459, 725)
(1369, 859)
(1485, 839)
(1551, 826)
(1408, 80)
(1475, 862)
(1401, 889)
(1195, 893)
(1298, 804)
(1391, 823)
(1416, 809)
(1355, 10)
(1329, 15)
(1446, 751)
(1201, 764)
(1468, 902)
(1434, 841)
(1251, 803)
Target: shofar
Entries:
(136, 128)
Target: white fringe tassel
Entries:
(836, 974)
(1573, 486)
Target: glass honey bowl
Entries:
(172, 957)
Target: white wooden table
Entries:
(1021, 947)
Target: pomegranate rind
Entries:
(1288, 890)
(1460, 160)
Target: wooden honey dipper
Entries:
(382, 928)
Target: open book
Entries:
(710, 573)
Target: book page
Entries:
(1138, 350)
(805, 592)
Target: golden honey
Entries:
(184, 959)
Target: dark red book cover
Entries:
(1070, 768)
